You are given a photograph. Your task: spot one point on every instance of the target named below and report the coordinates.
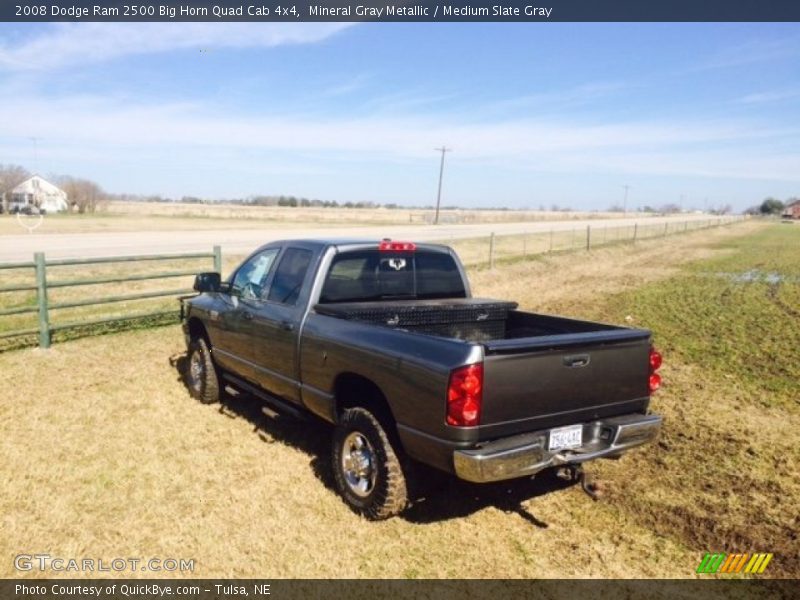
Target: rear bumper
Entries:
(526, 455)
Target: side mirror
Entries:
(207, 282)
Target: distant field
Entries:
(124, 463)
(349, 216)
(152, 216)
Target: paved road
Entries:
(21, 247)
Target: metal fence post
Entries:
(41, 299)
(635, 231)
(666, 228)
(491, 250)
(218, 259)
(588, 237)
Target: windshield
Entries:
(364, 275)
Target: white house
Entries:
(40, 193)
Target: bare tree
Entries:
(10, 177)
(83, 195)
(669, 208)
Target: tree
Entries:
(10, 177)
(82, 194)
(771, 206)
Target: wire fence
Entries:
(487, 251)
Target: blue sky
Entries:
(536, 114)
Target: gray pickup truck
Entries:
(384, 340)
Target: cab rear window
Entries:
(366, 275)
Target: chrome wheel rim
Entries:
(358, 464)
(196, 370)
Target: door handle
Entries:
(286, 325)
(247, 316)
(578, 360)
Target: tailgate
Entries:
(539, 383)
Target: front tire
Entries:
(368, 473)
(201, 374)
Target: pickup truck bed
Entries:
(477, 320)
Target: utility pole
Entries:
(625, 200)
(443, 149)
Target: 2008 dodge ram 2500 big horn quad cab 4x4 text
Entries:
(384, 340)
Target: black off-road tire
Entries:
(388, 495)
(201, 372)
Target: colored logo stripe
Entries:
(710, 563)
(758, 563)
(734, 563)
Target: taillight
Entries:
(655, 382)
(390, 246)
(464, 396)
(655, 365)
(655, 359)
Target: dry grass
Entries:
(573, 283)
(476, 252)
(348, 216)
(106, 455)
(146, 216)
(112, 458)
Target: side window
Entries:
(289, 276)
(252, 275)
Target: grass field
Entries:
(107, 455)
(153, 216)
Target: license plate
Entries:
(566, 437)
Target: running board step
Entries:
(281, 406)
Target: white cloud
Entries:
(773, 96)
(576, 96)
(730, 149)
(64, 45)
(752, 52)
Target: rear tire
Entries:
(366, 467)
(201, 373)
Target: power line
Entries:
(443, 150)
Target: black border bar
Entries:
(402, 10)
(711, 588)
